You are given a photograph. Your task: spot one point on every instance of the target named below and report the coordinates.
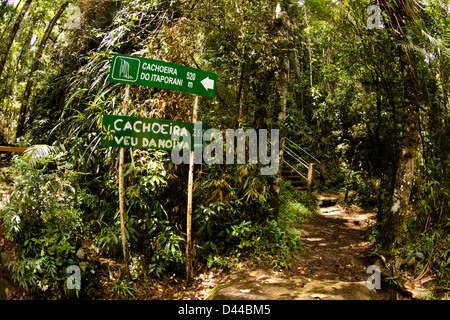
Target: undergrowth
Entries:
(271, 243)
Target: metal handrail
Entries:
(292, 154)
(298, 172)
(318, 162)
(296, 157)
(299, 159)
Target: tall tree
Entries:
(282, 81)
(10, 39)
(34, 68)
(13, 13)
(402, 14)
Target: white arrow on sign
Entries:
(208, 83)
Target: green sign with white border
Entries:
(160, 74)
(148, 133)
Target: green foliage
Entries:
(276, 243)
(296, 206)
(278, 240)
(149, 230)
(231, 200)
(426, 253)
(427, 248)
(124, 289)
(53, 208)
(166, 251)
(44, 221)
(360, 189)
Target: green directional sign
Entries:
(160, 74)
(147, 133)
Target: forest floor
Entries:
(332, 265)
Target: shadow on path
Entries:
(332, 265)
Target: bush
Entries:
(44, 222)
(151, 234)
(426, 233)
(265, 241)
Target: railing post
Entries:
(310, 177)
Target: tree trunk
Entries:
(399, 214)
(243, 99)
(282, 92)
(34, 68)
(281, 104)
(244, 82)
(393, 226)
(4, 52)
(309, 49)
(11, 18)
(14, 70)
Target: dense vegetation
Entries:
(369, 97)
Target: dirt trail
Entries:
(332, 266)
(335, 242)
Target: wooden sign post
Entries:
(126, 101)
(158, 74)
(189, 204)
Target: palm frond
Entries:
(411, 47)
(40, 154)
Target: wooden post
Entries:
(310, 177)
(126, 101)
(189, 204)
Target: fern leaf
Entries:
(39, 154)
